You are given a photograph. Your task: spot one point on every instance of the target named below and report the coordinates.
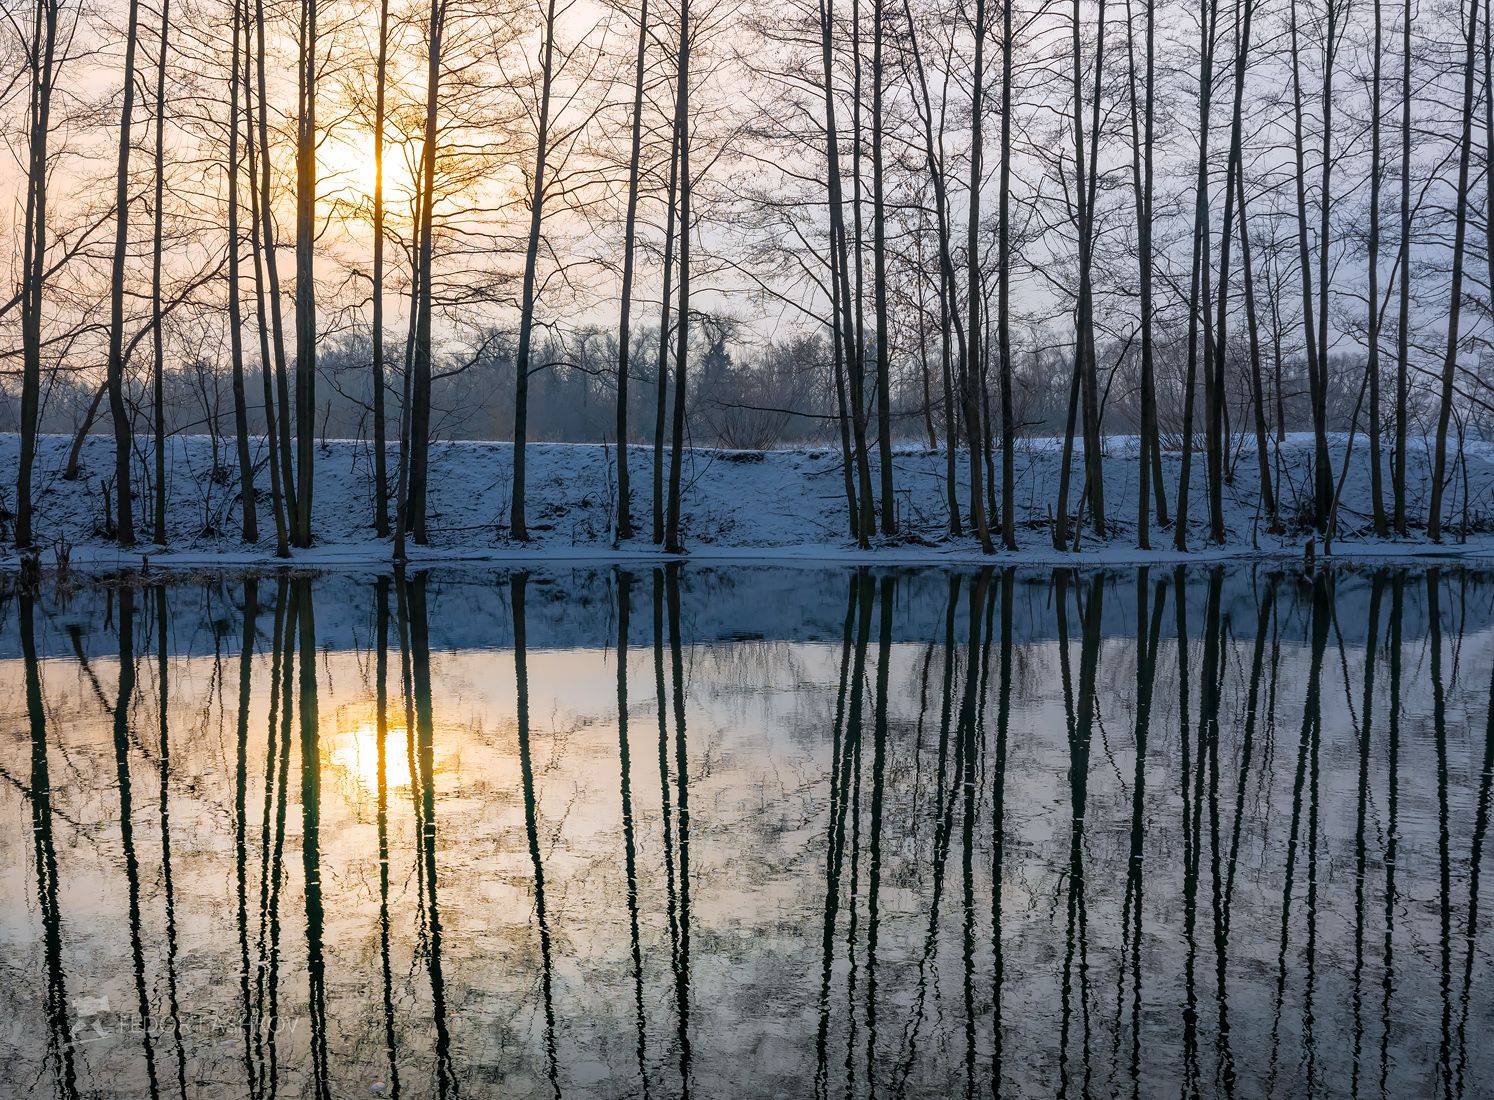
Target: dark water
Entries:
(750, 832)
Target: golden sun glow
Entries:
(348, 173)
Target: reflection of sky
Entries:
(760, 720)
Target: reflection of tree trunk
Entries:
(311, 856)
(59, 1030)
(1476, 857)
(381, 706)
(277, 780)
(167, 889)
(682, 806)
(531, 823)
(630, 849)
(1080, 721)
(834, 841)
(241, 825)
(879, 776)
(424, 773)
(1306, 749)
(1392, 817)
(127, 823)
(998, 823)
(1366, 724)
(1444, 838)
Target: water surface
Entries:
(749, 833)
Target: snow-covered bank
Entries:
(778, 505)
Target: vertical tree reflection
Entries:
(517, 586)
(630, 848)
(277, 779)
(423, 778)
(127, 827)
(311, 857)
(682, 808)
(240, 827)
(835, 839)
(381, 719)
(1080, 722)
(1256, 941)
(168, 890)
(59, 1029)
(1147, 640)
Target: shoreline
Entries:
(97, 561)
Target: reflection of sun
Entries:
(355, 753)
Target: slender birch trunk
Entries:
(1455, 293)
(124, 508)
(517, 528)
(380, 435)
(672, 542)
(624, 335)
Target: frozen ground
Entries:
(779, 505)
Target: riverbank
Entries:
(749, 506)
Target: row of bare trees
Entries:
(1166, 265)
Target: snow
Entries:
(781, 506)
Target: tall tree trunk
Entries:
(305, 275)
(517, 528)
(879, 278)
(1142, 138)
(278, 504)
(665, 304)
(1403, 320)
(250, 528)
(1083, 383)
(1234, 172)
(41, 61)
(1376, 313)
(866, 521)
(1323, 465)
(624, 335)
(672, 542)
(1093, 458)
(1262, 458)
(158, 347)
(971, 371)
(380, 440)
(124, 514)
(842, 401)
(1003, 290)
(420, 383)
(1455, 293)
(1198, 293)
(949, 307)
(272, 278)
(838, 250)
(1310, 332)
